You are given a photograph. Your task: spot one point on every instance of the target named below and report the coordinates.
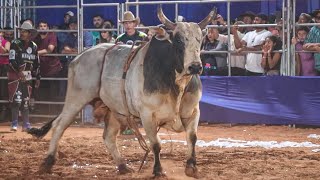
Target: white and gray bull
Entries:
(162, 88)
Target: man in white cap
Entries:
(24, 63)
(131, 34)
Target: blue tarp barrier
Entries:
(261, 100)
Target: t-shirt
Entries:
(3, 59)
(254, 38)
(126, 39)
(314, 37)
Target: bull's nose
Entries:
(195, 69)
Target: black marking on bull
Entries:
(161, 61)
(194, 84)
(41, 132)
(157, 169)
(192, 160)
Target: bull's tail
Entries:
(41, 132)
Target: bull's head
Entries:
(186, 39)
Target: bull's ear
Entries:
(164, 20)
(161, 34)
(208, 19)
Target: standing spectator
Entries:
(304, 60)
(253, 41)
(312, 43)
(8, 34)
(271, 60)
(304, 18)
(4, 62)
(106, 36)
(24, 63)
(131, 35)
(47, 43)
(248, 18)
(215, 64)
(97, 22)
(50, 65)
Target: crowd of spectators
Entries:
(267, 41)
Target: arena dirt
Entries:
(83, 155)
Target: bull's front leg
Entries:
(191, 125)
(150, 126)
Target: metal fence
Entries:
(288, 25)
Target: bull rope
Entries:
(130, 119)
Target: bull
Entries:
(161, 88)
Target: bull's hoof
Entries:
(124, 169)
(47, 164)
(157, 172)
(191, 171)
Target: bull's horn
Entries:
(208, 19)
(164, 20)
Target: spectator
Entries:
(106, 36)
(4, 65)
(304, 18)
(50, 65)
(221, 22)
(150, 34)
(312, 43)
(109, 21)
(253, 41)
(215, 64)
(271, 60)
(237, 61)
(47, 43)
(131, 35)
(27, 20)
(248, 18)
(180, 19)
(8, 35)
(304, 60)
(24, 63)
(66, 18)
(97, 22)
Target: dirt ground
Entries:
(82, 155)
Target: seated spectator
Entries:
(106, 36)
(131, 35)
(214, 64)
(304, 60)
(271, 60)
(4, 65)
(312, 43)
(97, 21)
(110, 22)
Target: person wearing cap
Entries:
(253, 41)
(131, 35)
(312, 43)
(66, 19)
(23, 65)
(248, 18)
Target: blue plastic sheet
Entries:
(261, 100)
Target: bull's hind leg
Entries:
(111, 130)
(70, 110)
(191, 133)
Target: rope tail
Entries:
(41, 132)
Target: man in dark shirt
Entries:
(24, 63)
(131, 35)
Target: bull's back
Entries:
(111, 79)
